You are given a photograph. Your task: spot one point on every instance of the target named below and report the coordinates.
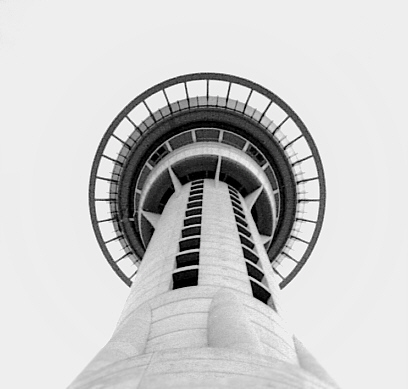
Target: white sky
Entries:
(68, 67)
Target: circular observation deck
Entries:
(202, 126)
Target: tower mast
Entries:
(207, 196)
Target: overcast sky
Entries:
(68, 67)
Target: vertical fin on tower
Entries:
(250, 200)
(175, 181)
(152, 218)
(218, 171)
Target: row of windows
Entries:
(189, 245)
(260, 292)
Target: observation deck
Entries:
(214, 126)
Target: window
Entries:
(241, 221)
(194, 204)
(192, 212)
(185, 278)
(207, 135)
(158, 155)
(192, 220)
(233, 140)
(191, 231)
(237, 205)
(260, 292)
(181, 140)
(245, 241)
(189, 244)
(233, 191)
(239, 213)
(250, 255)
(195, 197)
(243, 231)
(254, 272)
(253, 152)
(196, 192)
(187, 259)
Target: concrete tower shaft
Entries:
(205, 238)
(205, 302)
(207, 196)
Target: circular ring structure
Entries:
(221, 111)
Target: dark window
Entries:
(237, 204)
(187, 259)
(207, 135)
(194, 204)
(196, 197)
(181, 140)
(254, 153)
(272, 178)
(234, 196)
(192, 220)
(143, 176)
(244, 231)
(185, 278)
(191, 231)
(196, 192)
(195, 211)
(233, 140)
(277, 200)
(254, 272)
(245, 241)
(250, 255)
(239, 213)
(259, 292)
(189, 244)
(241, 221)
(158, 155)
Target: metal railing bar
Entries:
(150, 112)
(307, 180)
(134, 124)
(292, 141)
(113, 160)
(302, 160)
(106, 179)
(290, 257)
(280, 125)
(167, 99)
(115, 238)
(264, 112)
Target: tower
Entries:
(207, 196)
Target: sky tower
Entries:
(207, 196)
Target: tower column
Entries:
(206, 196)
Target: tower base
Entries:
(201, 368)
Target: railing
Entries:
(219, 91)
